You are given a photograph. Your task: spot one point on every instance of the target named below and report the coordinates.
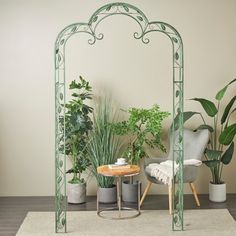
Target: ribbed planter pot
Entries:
(130, 191)
(107, 195)
(217, 192)
(76, 193)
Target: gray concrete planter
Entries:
(76, 193)
(130, 191)
(107, 195)
(217, 192)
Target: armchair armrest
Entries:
(149, 160)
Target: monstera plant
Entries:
(222, 132)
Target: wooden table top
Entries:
(106, 171)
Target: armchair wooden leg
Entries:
(194, 193)
(170, 199)
(145, 192)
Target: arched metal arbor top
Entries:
(90, 28)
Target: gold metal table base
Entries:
(119, 217)
(119, 208)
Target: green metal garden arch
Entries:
(89, 28)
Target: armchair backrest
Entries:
(194, 144)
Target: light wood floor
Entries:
(14, 209)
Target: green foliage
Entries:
(81, 164)
(211, 163)
(186, 116)
(143, 127)
(103, 147)
(222, 134)
(227, 156)
(227, 110)
(221, 93)
(227, 136)
(208, 106)
(77, 125)
(205, 127)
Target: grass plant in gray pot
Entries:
(104, 148)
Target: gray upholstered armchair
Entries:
(194, 146)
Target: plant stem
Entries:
(210, 133)
(220, 145)
(214, 137)
(216, 175)
(211, 141)
(221, 168)
(213, 176)
(202, 118)
(74, 176)
(74, 156)
(215, 124)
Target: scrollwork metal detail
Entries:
(90, 29)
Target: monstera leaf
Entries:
(227, 156)
(205, 127)
(213, 154)
(221, 93)
(211, 163)
(227, 136)
(227, 109)
(208, 106)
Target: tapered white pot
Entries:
(76, 193)
(217, 192)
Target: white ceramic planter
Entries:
(217, 192)
(76, 193)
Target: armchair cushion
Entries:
(190, 174)
(149, 160)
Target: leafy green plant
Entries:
(103, 147)
(143, 126)
(77, 126)
(221, 146)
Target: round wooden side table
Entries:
(119, 172)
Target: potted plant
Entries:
(103, 148)
(77, 125)
(220, 149)
(143, 127)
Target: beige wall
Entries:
(134, 73)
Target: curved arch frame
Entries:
(90, 28)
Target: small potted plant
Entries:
(221, 146)
(143, 127)
(77, 126)
(104, 148)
